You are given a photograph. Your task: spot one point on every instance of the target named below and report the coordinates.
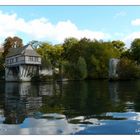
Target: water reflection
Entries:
(84, 107)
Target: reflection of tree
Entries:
(14, 111)
(86, 98)
(128, 94)
(53, 103)
(136, 95)
(98, 98)
(73, 98)
(14, 108)
(137, 102)
(91, 97)
(2, 88)
(78, 98)
(127, 90)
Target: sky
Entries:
(55, 23)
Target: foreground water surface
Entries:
(80, 107)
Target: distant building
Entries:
(22, 64)
(113, 72)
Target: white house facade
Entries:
(22, 64)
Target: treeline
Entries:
(80, 59)
(84, 58)
(89, 59)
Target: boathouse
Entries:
(21, 64)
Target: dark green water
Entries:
(80, 107)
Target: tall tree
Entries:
(67, 46)
(10, 42)
(128, 69)
(135, 49)
(118, 44)
(81, 68)
(44, 50)
(51, 56)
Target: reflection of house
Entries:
(33, 104)
(46, 89)
(24, 88)
(22, 63)
(14, 108)
(21, 99)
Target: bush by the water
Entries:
(128, 69)
(42, 78)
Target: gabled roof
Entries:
(22, 51)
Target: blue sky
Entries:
(54, 23)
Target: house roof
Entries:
(22, 51)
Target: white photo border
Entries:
(69, 2)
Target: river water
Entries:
(79, 107)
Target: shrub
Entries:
(128, 69)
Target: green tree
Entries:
(68, 46)
(118, 44)
(95, 53)
(44, 51)
(128, 69)
(51, 56)
(97, 58)
(135, 50)
(126, 54)
(82, 68)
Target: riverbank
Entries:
(69, 80)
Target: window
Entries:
(36, 59)
(30, 58)
(33, 58)
(7, 61)
(16, 59)
(11, 60)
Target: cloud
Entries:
(120, 14)
(129, 38)
(118, 34)
(133, 36)
(43, 29)
(135, 22)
